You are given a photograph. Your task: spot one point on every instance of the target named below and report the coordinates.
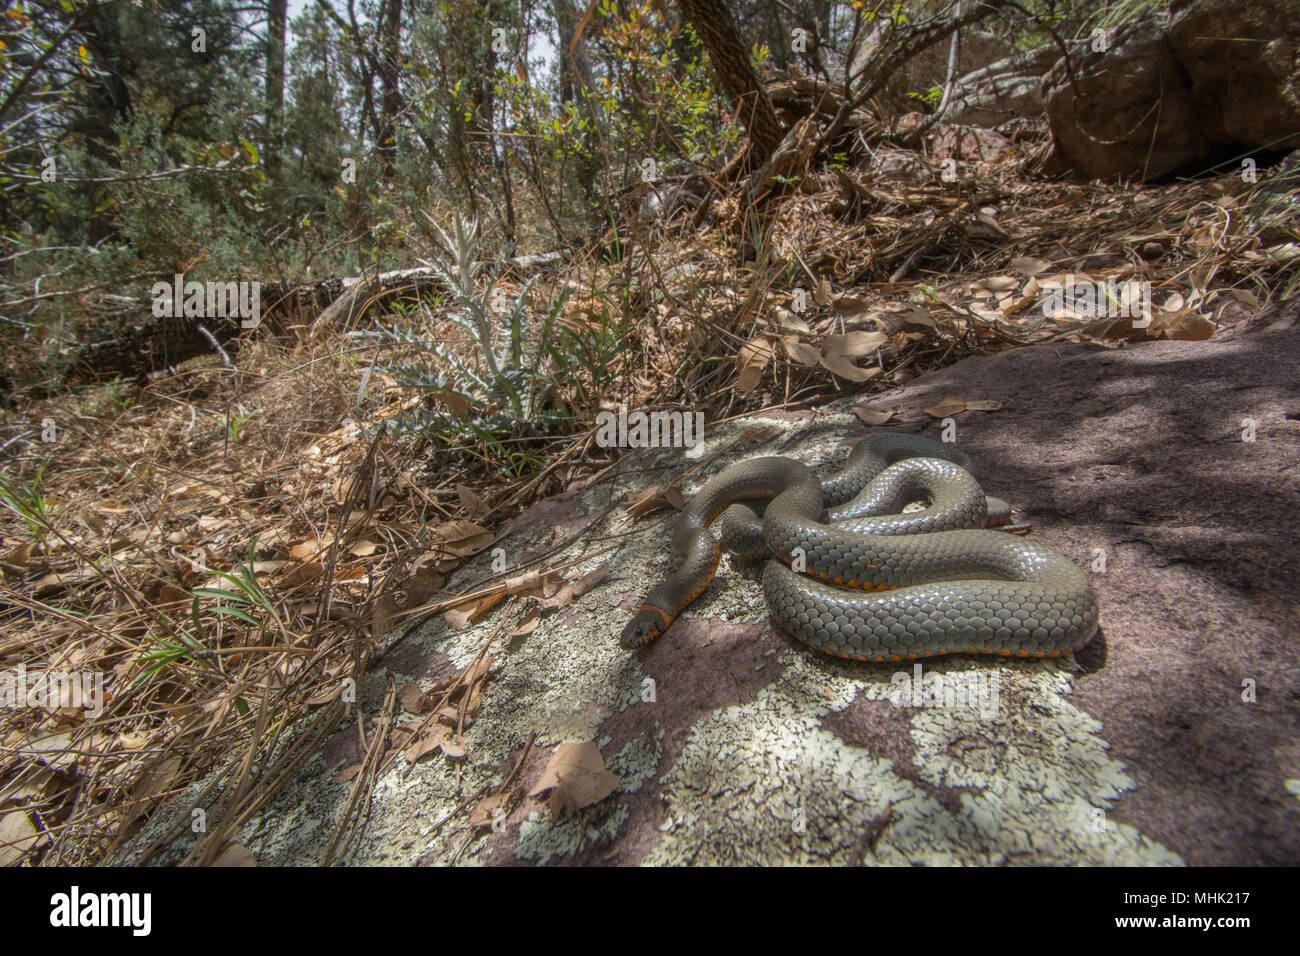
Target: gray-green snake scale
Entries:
(879, 584)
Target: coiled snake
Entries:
(924, 583)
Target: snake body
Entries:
(879, 585)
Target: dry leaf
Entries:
(414, 700)
(312, 547)
(528, 624)
(54, 750)
(822, 294)
(854, 344)
(421, 587)
(427, 742)
(549, 587)
(851, 305)
(955, 406)
(235, 854)
(1029, 266)
(841, 366)
(488, 810)
(917, 315)
(134, 740)
(753, 359)
(840, 350)
(151, 784)
(347, 773)
(304, 572)
(463, 617)
(17, 837)
(470, 501)
(791, 322)
(1190, 327)
(591, 579)
(479, 669)
(461, 538)
(384, 614)
(576, 777)
(872, 417)
(800, 352)
(654, 498)
(949, 406)
(534, 583)
(761, 433)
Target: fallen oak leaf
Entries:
(421, 587)
(528, 624)
(426, 741)
(871, 416)
(463, 617)
(591, 579)
(414, 700)
(840, 365)
(461, 538)
(348, 773)
(654, 498)
(791, 322)
(760, 433)
(839, 351)
(470, 501)
(1029, 266)
(576, 777)
(949, 406)
(953, 405)
(488, 810)
(17, 837)
(854, 344)
(235, 854)
(800, 352)
(753, 359)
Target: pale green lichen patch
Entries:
(764, 783)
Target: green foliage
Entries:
(930, 97)
(244, 601)
(501, 391)
(234, 422)
(27, 501)
(659, 92)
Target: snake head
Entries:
(642, 629)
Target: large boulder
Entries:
(1177, 89)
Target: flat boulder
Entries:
(1190, 85)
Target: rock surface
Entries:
(1196, 83)
(1171, 738)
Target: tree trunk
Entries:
(390, 95)
(713, 24)
(273, 144)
